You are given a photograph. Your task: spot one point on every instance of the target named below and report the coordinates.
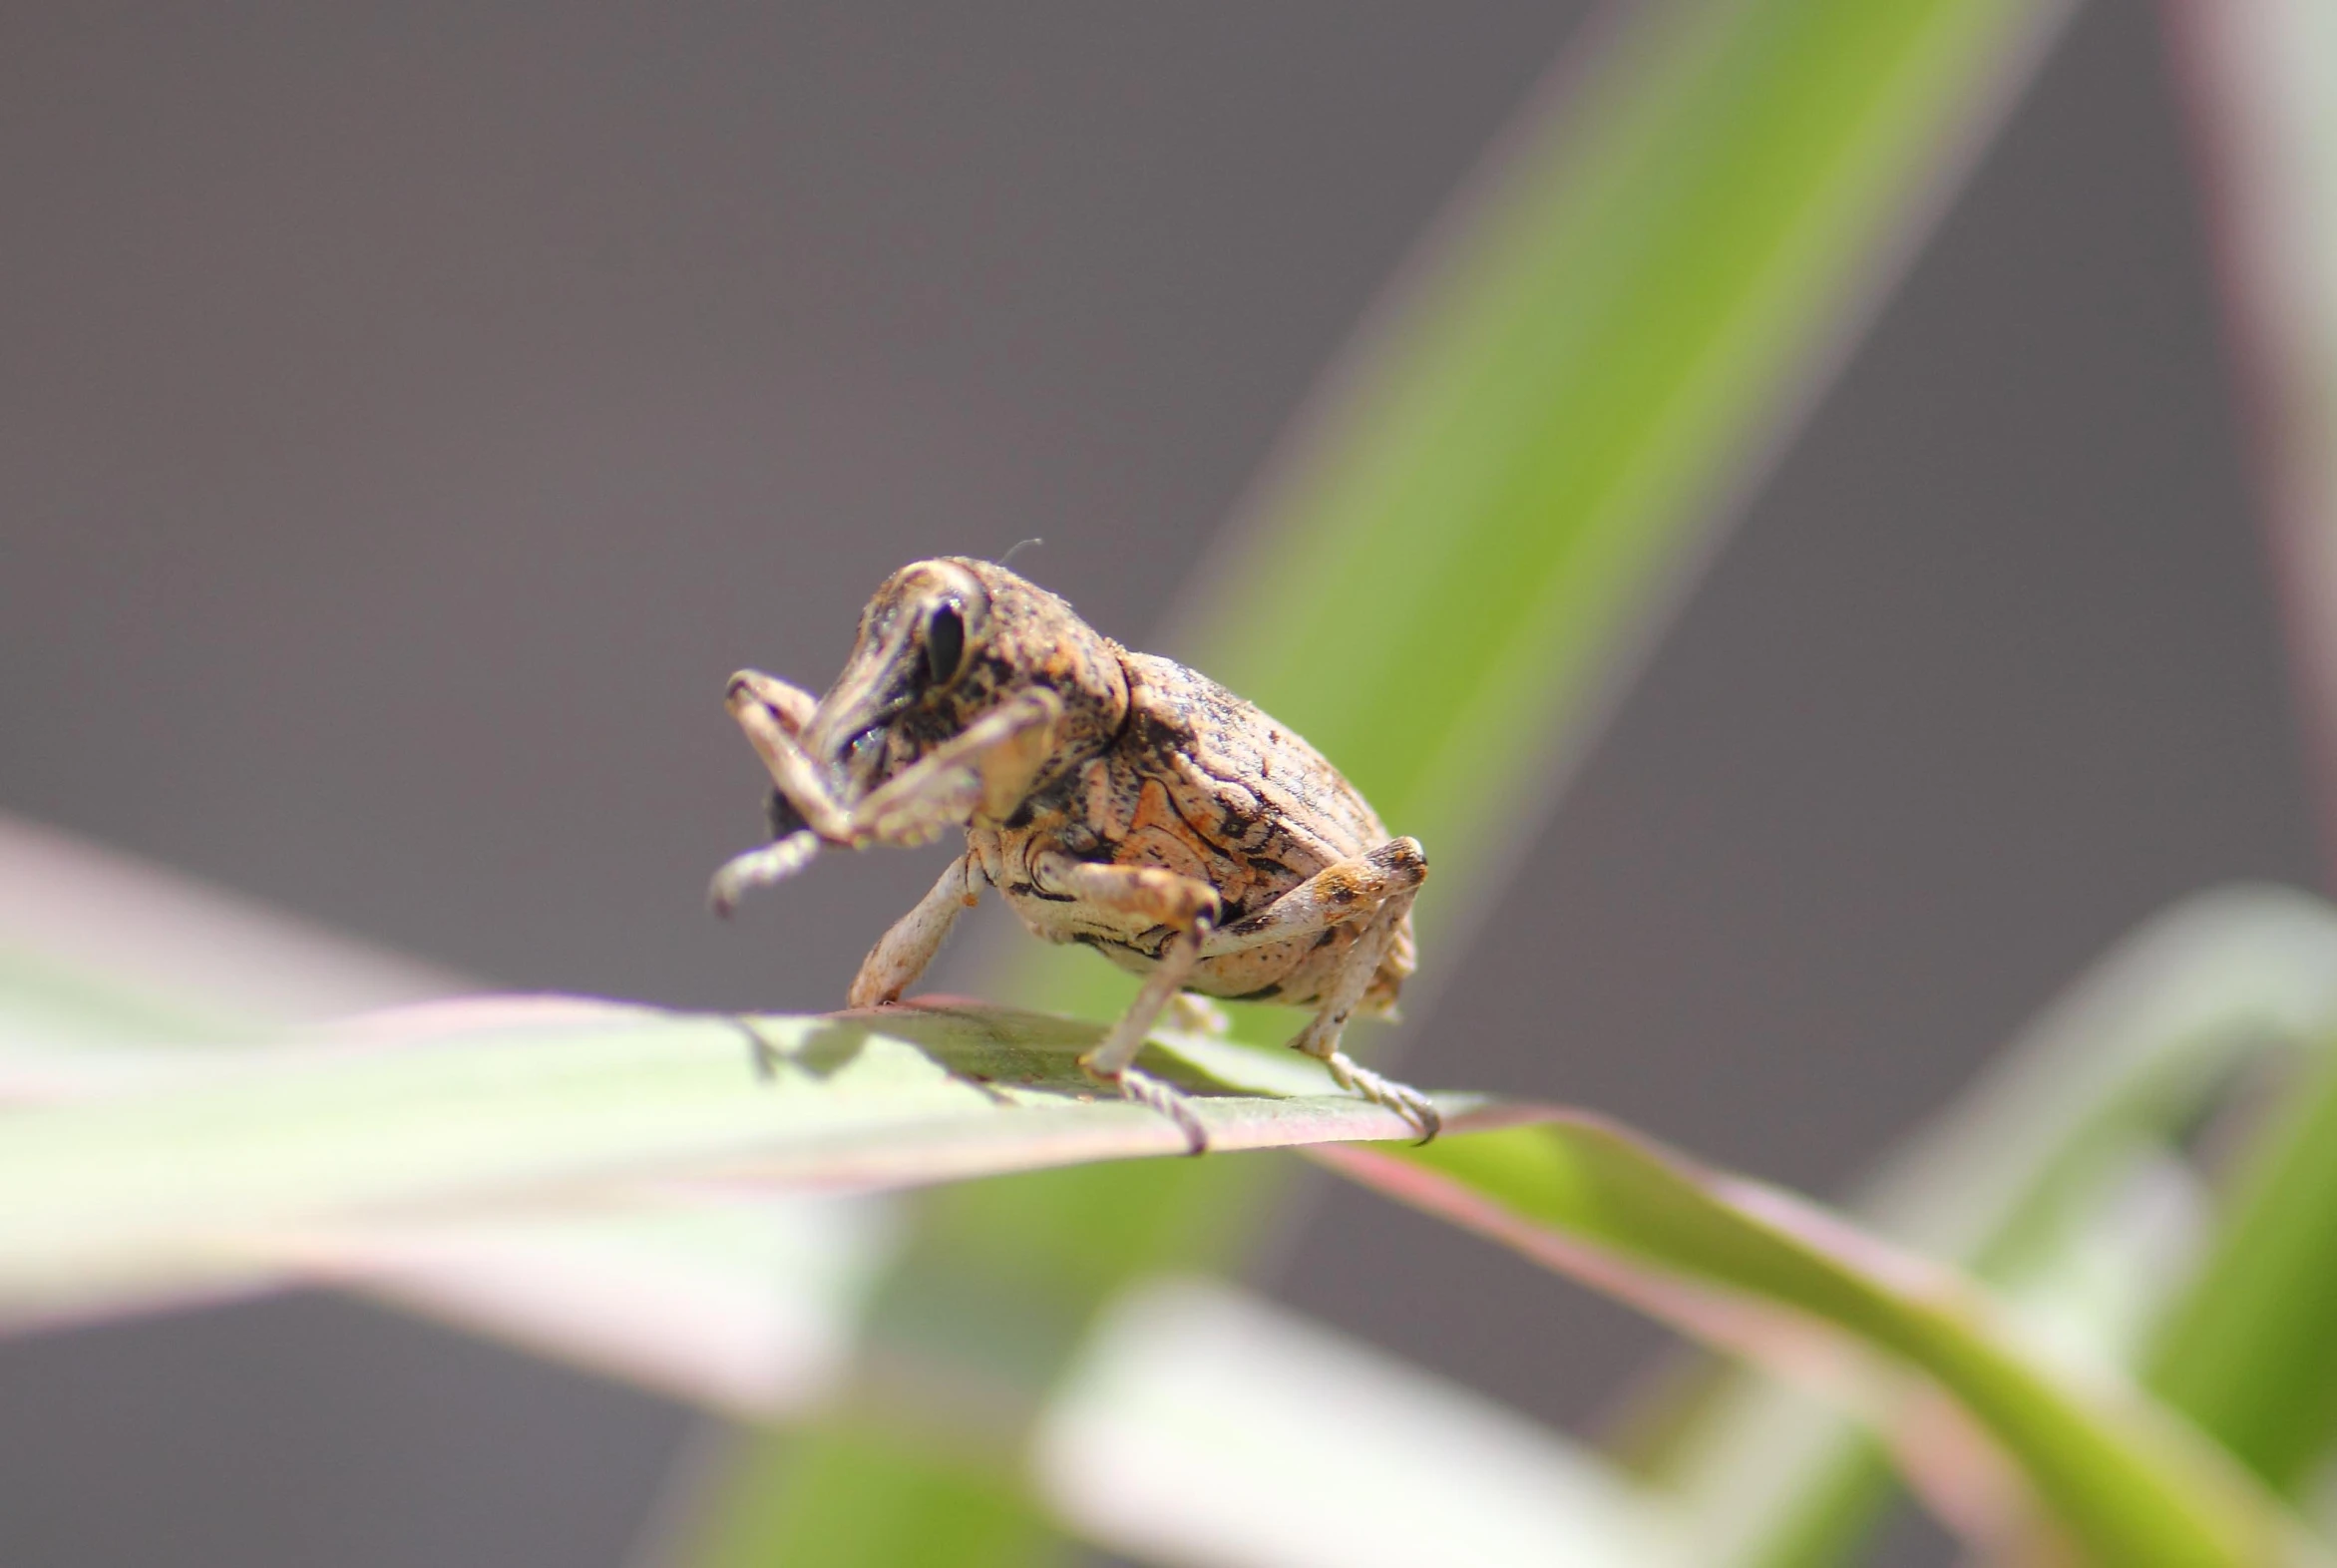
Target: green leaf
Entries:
(341, 1155)
(523, 1103)
(2021, 1180)
(2128, 1483)
(1450, 575)
(2251, 1356)
(1203, 1425)
(850, 1495)
(510, 1099)
(749, 1308)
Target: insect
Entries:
(1112, 798)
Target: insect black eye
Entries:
(945, 642)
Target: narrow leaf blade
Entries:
(2129, 1484)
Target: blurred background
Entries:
(409, 417)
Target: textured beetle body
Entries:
(1113, 799)
(1200, 783)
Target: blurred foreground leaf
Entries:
(750, 1308)
(742, 1308)
(482, 1157)
(1202, 1425)
(218, 1158)
(286, 1154)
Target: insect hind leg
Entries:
(1320, 1039)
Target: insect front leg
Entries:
(773, 713)
(988, 767)
(792, 706)
(1158, 898)
(902, 952)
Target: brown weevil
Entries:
(1114, 799)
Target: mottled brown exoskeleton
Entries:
(1112, 798)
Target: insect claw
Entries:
(1401, 1098)
(1144, 1089)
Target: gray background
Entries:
(410, 414)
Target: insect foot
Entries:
(1321, 1041)
(1401, 1098)
(1142, 1088)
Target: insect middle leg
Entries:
(1158, 898)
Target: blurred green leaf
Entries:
(520, 1103)
(1450, 575)
(115, 974)
(2016, 1179)
(1457, 565)
(852, 1472)
(2128, 1484)
(750, 1309)
(2252, 1356)
(2242, 1355)
(1201, 1424)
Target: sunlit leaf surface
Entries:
(114, 974)
(472, 1155)
(516, 1099)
